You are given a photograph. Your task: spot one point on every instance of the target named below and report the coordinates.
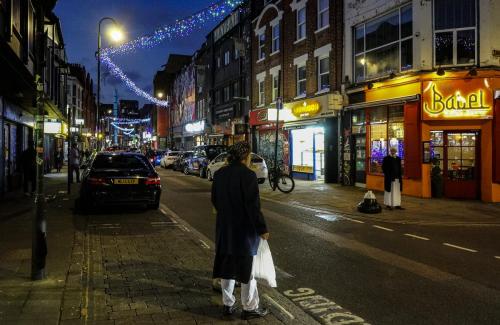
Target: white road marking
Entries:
(283, 273)
(281, 308)
(417, 237)
(203, 244)
(460, 247)
(353, 220)
(383, 228)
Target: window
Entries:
(236, 89)
(218, 62)
(261, 93)
(276, 38)
(386, 131)
(226, 94)
(301, 80)
(262, 43)
(323, 14)
(455, 32)
(236, 54)
(227, 57)
(217, 97)
(384, 45)
(323, 73)
(275, 87)
(301, 23)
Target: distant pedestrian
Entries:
(59, 159)
(28, 162)
(240, 226)
(393, 181)
(74, 163)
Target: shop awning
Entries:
(392, 101)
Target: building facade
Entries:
(423, 77)
(296, 59)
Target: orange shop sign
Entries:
(306, 109)
(457, 99)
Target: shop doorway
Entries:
(308, 153)
(360, 159)
(456, 159)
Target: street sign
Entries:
(279, 103)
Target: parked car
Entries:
(120, 178)
(258, 165)
(169, 158)
(202, 155)
(154, 156)
(180, 162)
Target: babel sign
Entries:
(457, 99)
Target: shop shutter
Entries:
(413, 166)
(496, 143)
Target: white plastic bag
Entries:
(263, 265)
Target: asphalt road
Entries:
(369, 272)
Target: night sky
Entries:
(79, 21)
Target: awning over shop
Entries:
(392, 101)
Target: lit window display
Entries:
(308, 151)
(386, 131)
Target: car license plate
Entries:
(125, 181)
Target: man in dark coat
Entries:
(239, 228)
(393, 181)
(28, 162)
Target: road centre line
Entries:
(460, 247)
(278, 306)
(383, 228)
(417, 237)
(205, 245)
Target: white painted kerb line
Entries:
(281, 308)
(205, 245)
(460, 247)
(383, 228)
(417, 237)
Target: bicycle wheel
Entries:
(286, 184)
(270, 177)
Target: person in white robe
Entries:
(393, 181)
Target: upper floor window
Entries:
(218, 62)
(262, 44)
(323, 17)
(217, 97)
(301, 23)
(236, 89)
(301, 79)
(226, 94)
(384, 45)
(261, 93)
(323, 73)
(275, 87)
(276, 38)
(455, 29)
(227, 57)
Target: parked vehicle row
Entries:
(205, 160)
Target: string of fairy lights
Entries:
(181, 28)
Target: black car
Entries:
(202, 155)
(180, 162)
(120, 178)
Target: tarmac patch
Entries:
(325, 310)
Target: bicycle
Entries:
(284, 182)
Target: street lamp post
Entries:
(116, 35)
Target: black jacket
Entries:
(235, 196)
(391, 166)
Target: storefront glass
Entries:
(359, 139)
(308, 154)
(386, 131)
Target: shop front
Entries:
(194, 134)
(444, 128)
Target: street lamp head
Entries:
(116, 34)
(159, 95)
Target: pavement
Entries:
(125, 266)
(338, 199)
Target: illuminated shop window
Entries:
(455, 30)
(386, 131)
(384, 45)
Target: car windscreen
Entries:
(120, 162)
(214, 151)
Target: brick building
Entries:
(297, 55)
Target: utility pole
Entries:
(39, 239)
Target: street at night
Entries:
(250, 162)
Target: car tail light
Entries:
(96, 181)
(153, 181)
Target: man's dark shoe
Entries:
(228, 310)
(388, 207)
(256, 313)
(400, 207)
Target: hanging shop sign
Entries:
(226, 25)
(52, 127)
(258, 117)
(306, 109)
(457, 99)
(195, 127)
